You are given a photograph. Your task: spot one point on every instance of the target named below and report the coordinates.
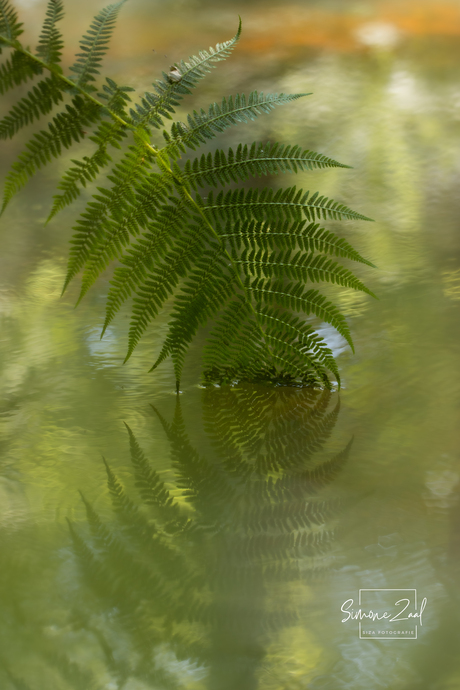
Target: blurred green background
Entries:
(385, 85)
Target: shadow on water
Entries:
(189, 583)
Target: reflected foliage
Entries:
(194, 567)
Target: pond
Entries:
(228, 538)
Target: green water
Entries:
(233, 523)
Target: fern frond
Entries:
(39, 101)
(152, 489)
(107, 134)
(122, 505)
(50, 43)
(93, 223)
(64, 129)
(94, 45)
(202, 295)
(295, 350)
(293, 357)
(201, 481)
(240, 258)
(116, 96)
(87, 170)
(286, 235)
(203, 126)
(290, 203)
(295, 297)
(302, 335)
(143, 255)
(18, 69)
(256, 160)
(299, 266)
(171, 89)
(10, 28)
(237, 349)
(234, 341)
(137, 213)
(164, 278)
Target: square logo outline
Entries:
(385, 589)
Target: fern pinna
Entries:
(244, 262)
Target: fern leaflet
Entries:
(286, 235)
(10, 28)
(39, 101)
(107, 134)
(50, 43)
(64, 129)
(289, 203)
(184, 76)
(94, 46)
(258, 159)
(20, 68)
(202, 126)
(142, 256)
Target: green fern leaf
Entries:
(118, 235)
(235, 341)
(201, 297)
(310, 343)
(20, 68)
(116, 96)
(87, 170)
(258, 159)
(94, 46)
(203, 126)
(39, 101)
(10, 28)
(93, 224)
(286, 235)
(107, 134)
(171, 89)
(142, 256)
(163, 279)
(294, 346)
(294, 296)
(64, 129)
(300, 266)
(241, 204)
(50, 43)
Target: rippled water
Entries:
(217, 545)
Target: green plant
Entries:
(240, 260)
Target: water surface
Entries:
(217, 545)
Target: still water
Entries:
(215, 541)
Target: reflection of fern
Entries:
(199, 577)
(244, 260)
